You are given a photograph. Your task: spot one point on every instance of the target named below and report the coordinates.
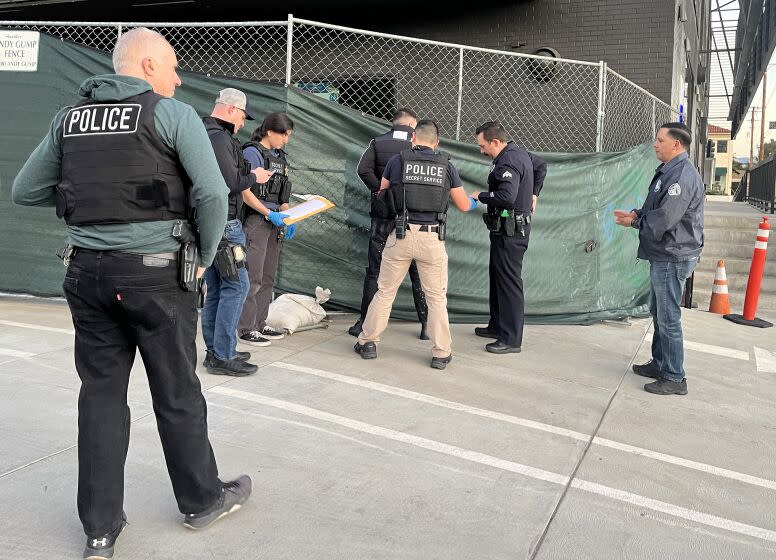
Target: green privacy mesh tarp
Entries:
(579, 267)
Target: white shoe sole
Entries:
(234, 508)
(272, 336)
(265, 343)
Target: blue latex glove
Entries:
(290, 230)
(277, 218)
(473, 205)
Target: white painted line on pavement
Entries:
(710, 349)
(36, 327)
(417, 441)
(703, 467)
(766, 360)
(428, 399)
(435, 401)
(676, 511)
(15, 353)
(510, 466)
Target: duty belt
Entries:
(425, 227)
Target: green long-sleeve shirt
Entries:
(181, 129)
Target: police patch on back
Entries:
(424, 173)
(92, 120)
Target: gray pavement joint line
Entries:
(50, 455)
(582, 456)
(531, 424)
(622, 496)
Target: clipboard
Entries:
(313, 205)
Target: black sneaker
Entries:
(239, 356)
(648, 369)
(254, 338)
(485, 333)
(368, 351)
(441, 363)
(233, 495)
(666, 387)
(355, 330)
(271, 334)
(101, 548)
(423, 334)
(235, 368)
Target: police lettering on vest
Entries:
(426, 173)
(116, 168)
(102, 119)
(425, 183)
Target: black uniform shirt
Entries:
(510, 181)
(393, 174)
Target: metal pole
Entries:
(289, 47)
(654, 118)
(119, 31)
(762, 120)
(460, 94)
(599, 135)
(751, 143)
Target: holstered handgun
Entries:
(188, 255)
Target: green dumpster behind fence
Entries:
(580, 267)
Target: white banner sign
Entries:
(19, 51)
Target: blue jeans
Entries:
(224, 303)
(667, 281)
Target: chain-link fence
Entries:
(548, 104)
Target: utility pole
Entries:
(751, 143)
(762, 121)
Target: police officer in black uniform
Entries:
(370, 169)
(509, 202)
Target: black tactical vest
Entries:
(116, 169)
(278, 188)
(425, 183)
(386, 146)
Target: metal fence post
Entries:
(599, 135)
(289, 47)
(654, 117)
(460, 94)
(119, 31)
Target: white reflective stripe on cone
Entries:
(762, 232)
(717, 289)
(721, 274)
(760, 244)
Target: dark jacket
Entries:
(372, 164)
(234, 168)
(670, 222)
(511, 181)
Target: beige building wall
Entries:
(723, 161)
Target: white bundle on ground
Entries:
(294, 312)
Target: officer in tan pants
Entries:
(421, 183)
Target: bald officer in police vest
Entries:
(421, 182)
(123, 168)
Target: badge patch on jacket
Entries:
(657, 185)
(506, 174)
(674, 190)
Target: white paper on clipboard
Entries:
(313, 205)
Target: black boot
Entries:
(355, 330)
(423, 335)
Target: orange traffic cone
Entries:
(720, 302)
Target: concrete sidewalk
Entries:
(555, 453)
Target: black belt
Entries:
(428, 228)
(147, 259)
